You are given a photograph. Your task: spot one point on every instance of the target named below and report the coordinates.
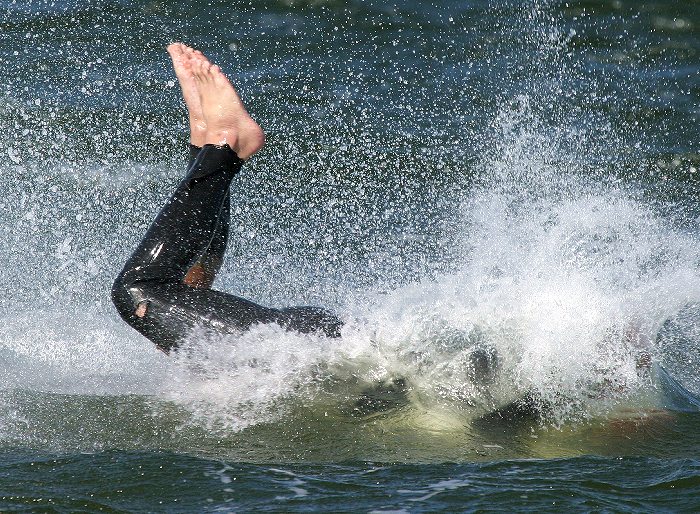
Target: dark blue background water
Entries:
(382, 120)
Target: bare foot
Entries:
(183, 57)
(227, 120)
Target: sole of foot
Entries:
(183, 58)
(226, 118)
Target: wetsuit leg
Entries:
(150, 294)
(213, 257)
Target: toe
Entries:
(175, 49)
(219, 78)
(197, 70)
(205, 66)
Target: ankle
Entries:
(221, 137)
(198, 132)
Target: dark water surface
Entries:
(125, 481)
(445, 175)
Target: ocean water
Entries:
(515, 176)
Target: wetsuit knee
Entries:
(135, 305)
(122, 299)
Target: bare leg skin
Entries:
(200, 276)
(183, 58)
(227, 120)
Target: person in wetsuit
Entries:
(164, 290)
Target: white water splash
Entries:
(567, 276)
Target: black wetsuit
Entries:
(193, 227)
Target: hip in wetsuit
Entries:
(150, 293)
